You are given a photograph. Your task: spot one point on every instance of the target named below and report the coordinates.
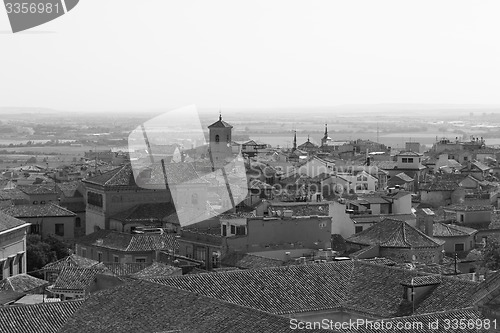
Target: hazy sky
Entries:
(124, 54)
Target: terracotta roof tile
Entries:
(148, 307)
(47, 210)
(75, 278)
(249, 261)
(451, 230)
(129, 242)
(9, 222)
(157, 270)
(22, 283)
(72, 261)
(394, 233)
(372, 289)
(38, 318)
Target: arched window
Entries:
(217, 138)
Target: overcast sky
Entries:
(124, 54)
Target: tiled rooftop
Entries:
(372, 289)
(47, 210)
(249, 261)
(157, 270)
(394, 233)
(72, 261)
(451, 230)
(148, 212)
(129, 242)
(8, 222)
(21, 283)
(38, 189)
(149, 307)
(410, 322)
(75, 278)
(441, 185)
(38, 318)
(469, 208)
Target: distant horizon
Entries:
(355, 107)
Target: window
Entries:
(405, 160)
(217, 139)
(84, 252)
(140, 259)
(459, 247)
(201, 254)
(42, 202)
(11, 267)
(20, 264)
(233, 230)
(35, 229)
(59, 229)
(94, 199)
(99, 256)
(462, 217)
(78, 222)
(194, 199)
(358, 229)
(35, 202)
(1, 270)
(466, 158)
(240, 230)
(410, 160)
(116, 259)
(224, 230)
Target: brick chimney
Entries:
(425, 221)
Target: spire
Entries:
(295, 141)
(220, 115)
(308, 138)
(326, 129)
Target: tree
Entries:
(491, 254)
(40, 252)
(31, 160)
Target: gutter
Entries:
(15, 228)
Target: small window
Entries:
(217, 138)
(462, 217)
(99, 256)
(20, 264)
(84, 252)
(410, 160)
(194, 199)
(233, 230)
(224, 230)
(466, 158)
(358, 229)
(459, 247)
(60, 229)
(42, 202)
(405, 160)
(35, 202)
(140, 259)
(116, 258)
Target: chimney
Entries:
(425, 221)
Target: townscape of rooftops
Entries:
(377, 218)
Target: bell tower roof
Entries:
(220, 123)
